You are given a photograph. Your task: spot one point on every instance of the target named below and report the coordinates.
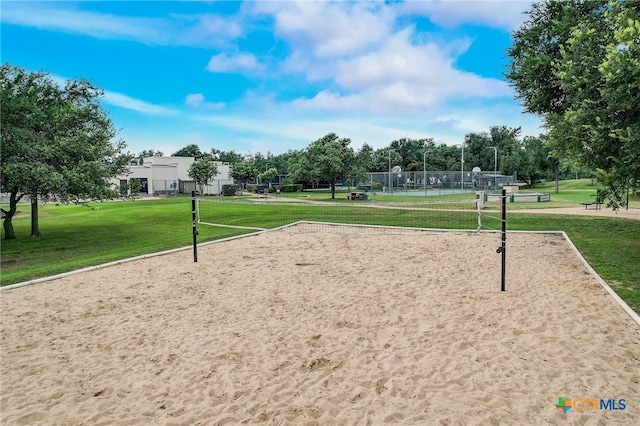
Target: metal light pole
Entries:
(495, 167)
(424, 172)
(462, 170)
(389, 169)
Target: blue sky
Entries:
(269, 76)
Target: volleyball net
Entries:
(370, 217)
(362, 217)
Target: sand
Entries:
(322, 328)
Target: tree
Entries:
(202, 171)
(411, 151)
(300, 169)
(478, 151)
(191, 150)
(383, 158)
(511, 156)
(576, 63)
(57, 143)
(538, 163)
(148, 153)
(269, 174)
(365, 157)
(230, 157)
(330, 158)
(243, 171)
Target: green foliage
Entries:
(191, 150)
(268, 175)
(411, 152)
(56, 142)
(589, 55)
(147, 153)
(243, 171)
(329, 159)
(133, 187)
(229, 190)
(230, 157)
(202, 171)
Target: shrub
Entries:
(229, 190)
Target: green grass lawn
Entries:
(571, 194)
(74, 237)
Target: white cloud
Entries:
(127, 102)
(329, 28)
(400, 77)
(196, 100)
(503, 14)
(240, 62)
(197, 30)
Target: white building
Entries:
(169, 175)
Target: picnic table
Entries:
(357, 196)
(586, 204)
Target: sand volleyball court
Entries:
(320, 329)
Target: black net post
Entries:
(193, 225)
(503, 248)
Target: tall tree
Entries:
(538, 162)
(478, 152)
(147, 153)
(411, 151)
(330, 158)
(268, 175)
(243, 171)
(57, 143)
(384, 158)
(230, 157)
(300, 169)
(576, 63)
(511, 156)
(365, 157)
(202, 171)
(191, 150)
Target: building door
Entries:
(144, 188)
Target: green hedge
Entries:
(229, 190)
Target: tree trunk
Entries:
(35, 226)
(333, 190)
(557, 175)
(9, 233)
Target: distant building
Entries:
(169, 175)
